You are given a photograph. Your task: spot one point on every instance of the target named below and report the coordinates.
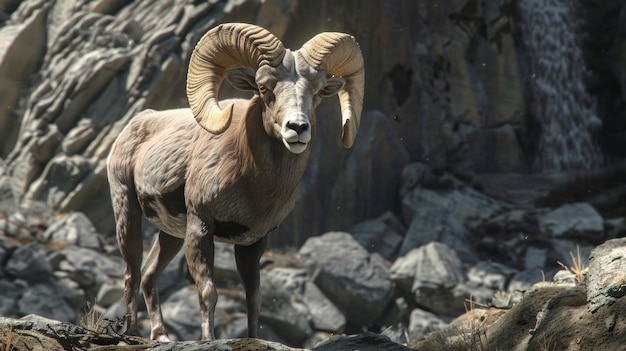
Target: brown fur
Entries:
(198, 187)
(242, 182)
(245, 164)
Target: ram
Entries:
(225, 170)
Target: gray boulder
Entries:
(115, 312)
(66, 173)
(29, 262)
(71, 292)
(433, 274)
(438, 224)
(48, 300)
(287, 316)
(293, 280)
(7, 228)
(403, 271)
(365, 341)
(26, 221)
(181, 315)
(605, 278)
(356, 280)
(109, 293)
(573, 220)
(415, 174)
(10, 292)
(383, 235)
(283, 308)
(422, 322)
(486, 279)
(87, 267)
(76, 229)
(492, 275)
(396, 313)
(467, 205)
(235, 327)
(325, 315)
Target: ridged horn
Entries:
(339, 55)
(225, 47)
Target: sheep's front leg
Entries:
(199, 252)
(248, 265)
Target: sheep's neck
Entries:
(265, 161)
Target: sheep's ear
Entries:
(333, 85)
(242, 80)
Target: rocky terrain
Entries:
(490, 158)
(464, 253)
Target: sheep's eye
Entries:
(321, 92)
(262, 89)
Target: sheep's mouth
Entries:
(295, 147)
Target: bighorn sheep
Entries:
(226, 171)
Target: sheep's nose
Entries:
(299, 127)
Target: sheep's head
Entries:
(291, 84)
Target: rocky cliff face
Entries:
(468, 84)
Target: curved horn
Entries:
(339, 55)
(225, 47)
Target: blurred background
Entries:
(478, 108)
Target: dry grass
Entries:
(577, 268)
(7, 345)
(469, 335)
(12, 339)
(544, 345)
(476, 336)
(92, 321)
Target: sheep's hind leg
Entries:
(128, 230)
(199, 252)
(248, 265)
(163, 251)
